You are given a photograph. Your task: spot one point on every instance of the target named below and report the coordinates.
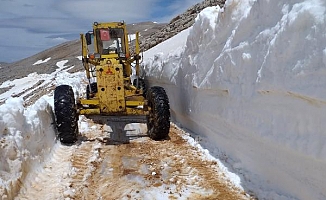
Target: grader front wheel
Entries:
(66, 114)
(158, 120)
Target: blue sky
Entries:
(28, 27)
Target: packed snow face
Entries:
(249, 78)
(27, 134)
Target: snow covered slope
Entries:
(250, 80)
(27, 133)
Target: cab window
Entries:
(111, 41)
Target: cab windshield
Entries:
(111, 41)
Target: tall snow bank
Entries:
(274, 43)
(250, 79)
(26, 137)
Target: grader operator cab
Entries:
(110, 93)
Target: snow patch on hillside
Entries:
(131, 37)
(24, 87)
(42, 61)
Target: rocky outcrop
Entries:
(177, 24)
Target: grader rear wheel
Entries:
(66, 114)
(158, 120)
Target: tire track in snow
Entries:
(141, 169)
(52, 179)
(85, 162)
(147, 169)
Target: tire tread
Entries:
(158, 122)
(66, 114)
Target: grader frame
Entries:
(112, 64)
(110, 93)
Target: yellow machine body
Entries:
(108, 63)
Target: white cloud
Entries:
(177, 7)
(18, 43)
(102, 10)
(33, 8)
(59, 40)
(34, 24)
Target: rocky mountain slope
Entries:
(66, 51)
(178, 24)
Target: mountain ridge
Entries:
(151, 34)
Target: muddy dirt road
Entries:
(97, 168)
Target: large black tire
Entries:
(158, 120)
(88, 91)
(141, 85)
(65, 111)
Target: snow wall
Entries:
(27, 134)
(250, 80)
(26, 137)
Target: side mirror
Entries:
(88, 37)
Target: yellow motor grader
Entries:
(110, 93)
